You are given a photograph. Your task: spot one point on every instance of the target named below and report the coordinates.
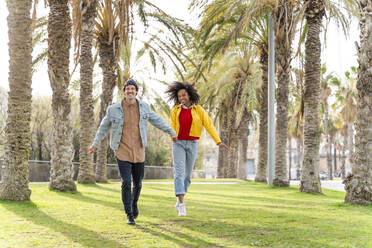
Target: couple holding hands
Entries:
(128, 121)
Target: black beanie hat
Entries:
(130, 82)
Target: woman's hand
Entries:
(222, 145)
(91, 149)
(174, 138)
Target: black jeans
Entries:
(127, 171)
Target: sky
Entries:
(339, 54)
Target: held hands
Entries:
(174, 138)
(91, 149)
(222, 145)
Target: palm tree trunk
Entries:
(343, 161)
(15, 170)
(299, 159)
(328, 144)
(284, 33)
(350, 144)
(233, 155)
(329, 160)
(86, 170)
(335, 169)
(243, 132)
(310, 181)
(222, 153)
(40, 138)
(59, 38)
(289, 157)
(108, 64)
(358, 185)
(262, 140)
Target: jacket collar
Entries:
(185, 107)
(179, 106)
(119, 106)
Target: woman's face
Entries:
(183, 97)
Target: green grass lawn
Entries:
(245, 214)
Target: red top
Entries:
(185, 125)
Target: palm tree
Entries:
(358, 185)
(284, 30)
(59, 37)
(234, 94)
(14, 184)
(263, 138)
(107, 36)
(310, 181)
(333, 132)
(325, 92)
(244, 19)
(295, 124)
(346, 103)
(314, 12)
(243, 130)
(236, 19)
(84, 13)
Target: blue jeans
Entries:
(184, 156)
(127, 171)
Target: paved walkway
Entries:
(328, 184)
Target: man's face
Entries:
(130, 92)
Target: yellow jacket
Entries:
(200, 118)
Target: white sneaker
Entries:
(181, 209)
(177, 206)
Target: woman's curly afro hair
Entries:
(173, 89)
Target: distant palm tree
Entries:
(59, 37)
(325, 92)
(223, 22)
(358, 185)
(15, 172)
(345, 103)
(295, 122)
(233, 95)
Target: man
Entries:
(128, 121)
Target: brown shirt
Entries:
(130, 148)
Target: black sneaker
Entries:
(130, 219)
(135, 210)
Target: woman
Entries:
(187, 119)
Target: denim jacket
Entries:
(114, 119)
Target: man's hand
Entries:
(222, 145)
(174, 138)
(91, 149)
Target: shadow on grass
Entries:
(181, 239)
(101, 186)
(81, 197)
(170, 190)
(85, 237)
